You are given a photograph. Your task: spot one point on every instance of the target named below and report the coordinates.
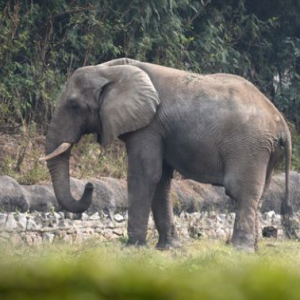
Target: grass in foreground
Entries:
(203, 270)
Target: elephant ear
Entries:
(129, 101)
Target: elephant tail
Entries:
(286, 207)
(289, 224)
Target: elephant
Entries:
(218, 129)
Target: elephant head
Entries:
(107, 100)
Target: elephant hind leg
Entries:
(162, 209)
(246, 188)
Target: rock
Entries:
(184, 198)
(68, 215)
(195, 215)
(89, 230)
(210, 222)
(28, 239)
(37, 240)
(79, 227)
(222, 217)
(104, 198)
(3, 218)
(212, 215)
(11, 224)
(40, 221)
(51, 221)
(220, 220)
(118, 232)
(61, 214)
(204, 215)
(181, 215)
(15, 240)
(276, 192)
(84, 217)
(63, 223)
(111, 225)
(95, 216)
(119, 201)
(268, 216)
(48, 237)
(103, 215)
(119, 218)
(77, 216)
(31, 224)
(21, 222)
(221, 234)
(12, 196)
(232, 216)
(280, 233)
(195, 231)
(41, 198)
(46, 221)
(54, 219)
(106, 233)
(276, 220)
(110, 196)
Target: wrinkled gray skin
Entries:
(216, 129)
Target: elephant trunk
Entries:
(59, 170)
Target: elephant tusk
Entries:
(59, 150)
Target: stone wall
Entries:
(110, 196)
(31, 214)
(38, 228)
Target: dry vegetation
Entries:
(20, 153)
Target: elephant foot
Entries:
(168, 244)
(244, 244)
(245, 248)
(135, 243)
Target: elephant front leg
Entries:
(162, 209)
(144, 173)
(141, 190)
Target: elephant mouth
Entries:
(62, 148)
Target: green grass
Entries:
(202, 270)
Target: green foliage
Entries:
(205, 270)
(43, 42)
(27, 82)
(296, 150)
